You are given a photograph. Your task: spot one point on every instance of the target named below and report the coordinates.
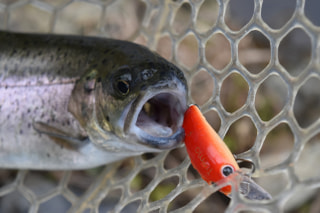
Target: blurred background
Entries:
(252, 67)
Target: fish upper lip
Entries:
(156, 131)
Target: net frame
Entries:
(157, 22)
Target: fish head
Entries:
(137, 97)
(145, 102)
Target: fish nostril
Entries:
(147, 74)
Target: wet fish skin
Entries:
(60, 107)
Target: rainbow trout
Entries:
(72, 102)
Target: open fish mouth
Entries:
(157, 119)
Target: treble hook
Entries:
(245, 163)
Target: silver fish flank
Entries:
(71, 102)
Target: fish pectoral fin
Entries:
(60, 137)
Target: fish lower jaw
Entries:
(159, 142)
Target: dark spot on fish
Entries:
(68, 123)
(20, 132)
(8, 116)
(180, 76)
(5, 68)
(29, 125)
(104, 61)
(63, 124)
(42, 115)
(107, 118)
(143, 87)
(39, 53)
(87, 78)
(6, 87)
(48, 155)
(13, 52)
(151, 64)
(83, 107)
(65, 54)
(29, 110)
(69, 64)
(25, 70)
(163, 75)
(99, 79)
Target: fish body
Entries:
(72, 102)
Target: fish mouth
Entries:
(157, 119)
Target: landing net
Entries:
(252, 67)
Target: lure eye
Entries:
(227, 170)
(123, 87)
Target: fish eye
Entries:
(123, 87)
(227, 170)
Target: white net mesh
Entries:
(252, 67)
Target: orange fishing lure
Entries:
(209, 155)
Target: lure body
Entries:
(209, 155)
